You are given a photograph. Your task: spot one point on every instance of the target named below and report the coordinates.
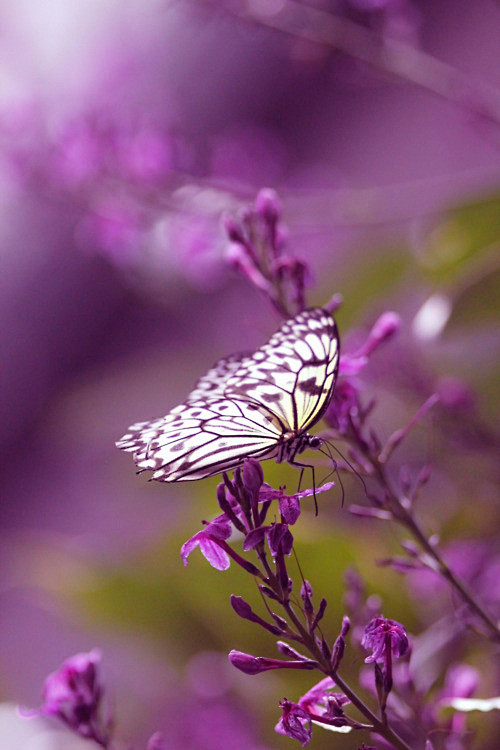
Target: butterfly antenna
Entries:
(335, 471)
(349, 464)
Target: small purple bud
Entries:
(253, 476)
(337, 652)
(269, 593)
(346, 626)
(280, 621)
(306, 593)
(333, 303)
(221, 496)
(320, 613)
(241, 607)
(325, 648)
(384, 328)
(400, 564)
(268, 205)
(244, 610)
(287, 650)
(362, 511)
(232, 227)
(257, 664)
(247, 663)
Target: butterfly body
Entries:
(258, 404)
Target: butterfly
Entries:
(259, 404)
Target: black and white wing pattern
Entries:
(258, 404)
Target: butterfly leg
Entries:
(302, 467)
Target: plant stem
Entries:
(403, 516)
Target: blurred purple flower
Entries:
(145, 155)
(255, 249)
(384, 636)
(74, 692)
(461, 681)
(384, 328)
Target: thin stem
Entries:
(379, 727)
(385, 53)
(404, 517)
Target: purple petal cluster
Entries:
(384, 636)
(256, 250)
(74, 692)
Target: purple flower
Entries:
(289, 505)
(384, 637)
(321, 702)
(208, 540)
(73, 693)
(320, 705)
(295, 723)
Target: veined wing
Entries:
(212, 384)
(201, 438)
(294, 373)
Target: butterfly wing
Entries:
(244, 404)
(201, 438)
(293, 374)
(213, 382)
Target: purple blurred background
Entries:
(125, 131)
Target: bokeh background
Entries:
(126, 129)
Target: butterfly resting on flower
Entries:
(258, 405)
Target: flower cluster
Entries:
(256, 249)
(245, 502)
(74, 694)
